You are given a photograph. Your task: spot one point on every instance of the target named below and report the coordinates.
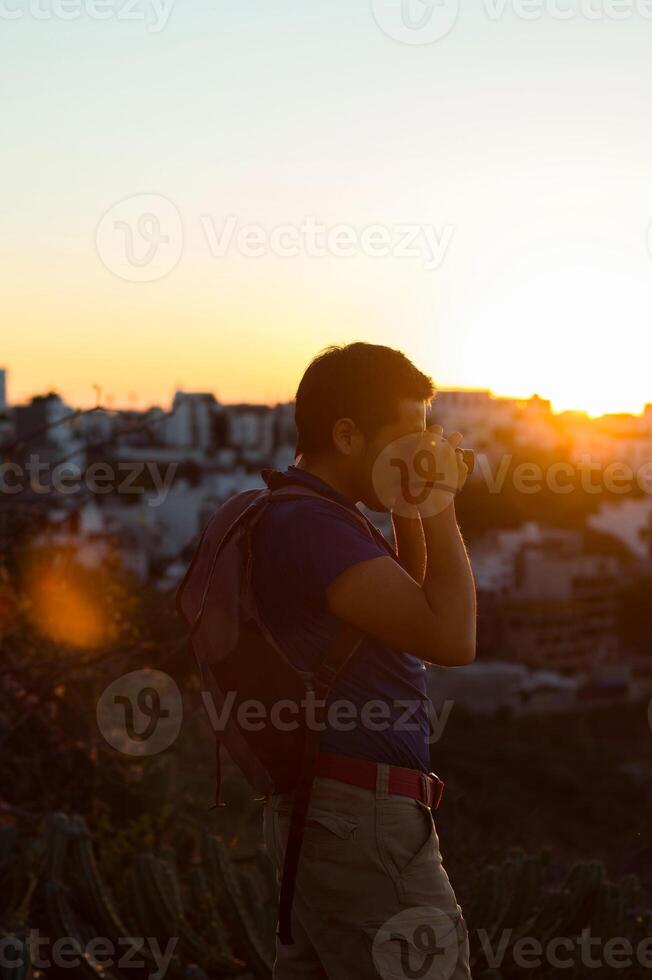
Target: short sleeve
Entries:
(322, 542)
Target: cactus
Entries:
(18, 881)
(520, 885)
(262, 912)
(223, 910)
(62, 920)
(224, 880)
(64, 923)
(512, 898)
(609, 911)
(579, 893)
(91, 888)
(259, 888)
(205, 912)
(485, 897)
(57, 840)
(158, 899)
(8, 838)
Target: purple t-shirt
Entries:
(299, 548)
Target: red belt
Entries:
(425, 787)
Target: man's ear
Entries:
(346, 436)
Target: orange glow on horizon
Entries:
(592, 407)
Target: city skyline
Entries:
(163, 402)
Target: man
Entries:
(372, 897)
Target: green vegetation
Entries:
(219, 910)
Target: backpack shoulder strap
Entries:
(348, 638)
(345, 644)
(252, 510)
(245, 502)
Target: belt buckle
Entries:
(435, 790)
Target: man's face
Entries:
(410, 419)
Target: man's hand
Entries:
(420, 475)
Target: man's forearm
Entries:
(450, 588)
(410, 546)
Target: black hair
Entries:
(362, 382)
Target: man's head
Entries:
(353, 402)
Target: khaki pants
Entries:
(372, 899)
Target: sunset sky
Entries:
(524, 146)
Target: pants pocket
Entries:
(324, 833)
(329, 878)
(409, 849)
(406, 833)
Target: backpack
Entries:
(239, 662)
